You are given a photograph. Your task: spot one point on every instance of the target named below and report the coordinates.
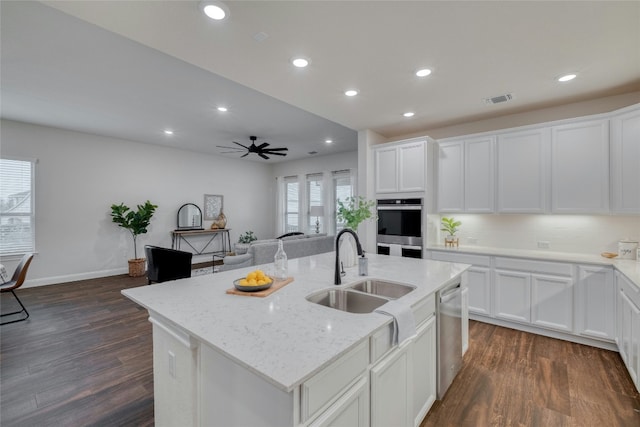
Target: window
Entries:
(315, 199)
(292, 203)
(17, 217)
(342, 189)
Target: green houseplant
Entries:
(247, 237)
(136, 222)
(354, 211)
(450, 225)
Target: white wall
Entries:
(316, 164)
(585, 234)
(79, 176)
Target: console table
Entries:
(187, 236)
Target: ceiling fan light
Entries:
(215, 10)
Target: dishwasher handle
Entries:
(450, 294)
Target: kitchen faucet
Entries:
(337, 280)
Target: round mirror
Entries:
(189, 217)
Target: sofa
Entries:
(263, 251)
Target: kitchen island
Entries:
(281, 360)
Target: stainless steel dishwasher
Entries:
(449, 323)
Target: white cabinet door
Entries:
(352, 409)
(625, 162)
(451, 177)
(595, 308)
(552, 302)
(411, 167)
(628, 345)
(479, 280)
(424, 370)
(391, 389)
(386, 161)
(522, 159)
(580, 167)
(512, 290)
(479, 175)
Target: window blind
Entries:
(16, 207)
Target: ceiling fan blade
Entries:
(275, 154)
(263, 156)
(244, 155)
(243, 146)
(230, 148)
(263, 145)
(276, 149)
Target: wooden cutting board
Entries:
(276, 285)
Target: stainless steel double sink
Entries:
(360, 297)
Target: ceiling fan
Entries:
(261, 150)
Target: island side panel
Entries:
(232, 395)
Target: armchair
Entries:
(165, 264)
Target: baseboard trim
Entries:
(55, 280)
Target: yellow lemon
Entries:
(243, 282)
(261, 282)
(251, 276)
(252, 282)
(259, 274)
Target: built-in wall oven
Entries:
(400, 227)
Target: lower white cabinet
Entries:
(391, 385)
(512, 290)
(352, 409)
(628, 331)
(465, 320)
(595, 314)
(552, 302)
(479, 279)
(423, 359)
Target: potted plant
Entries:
(355, 211)
(244, 241)
(450, 225)
(352, 212)
(136, 222)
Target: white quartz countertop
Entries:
(630, 268)
(283, 337)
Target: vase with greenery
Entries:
(247, 237)
(355, 210)
(450, 225)
(136, 222)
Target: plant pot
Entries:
(450, 241)
(137, 267)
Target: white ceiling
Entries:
(162, 64)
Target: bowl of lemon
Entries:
(253, 282)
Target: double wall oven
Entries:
(400, 227)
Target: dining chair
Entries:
(16, 281)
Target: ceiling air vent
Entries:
(498, 99)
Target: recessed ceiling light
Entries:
(409, 114)
(168, 132)
(423, 72)
(567, 77)
(222, 109)
(351, 92)
(328, 141)
(215, 10)
(300, 62)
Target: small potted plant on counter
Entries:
(136, 222)
(450, 225)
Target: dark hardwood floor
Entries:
(85, 358)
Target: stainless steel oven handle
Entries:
(399, 208)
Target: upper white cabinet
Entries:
(625, 162)
(451, 177)
(400, 167)
(522, 171)
(580, 167)
(466, 175)
(479, 175)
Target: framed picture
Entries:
(212, 206)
